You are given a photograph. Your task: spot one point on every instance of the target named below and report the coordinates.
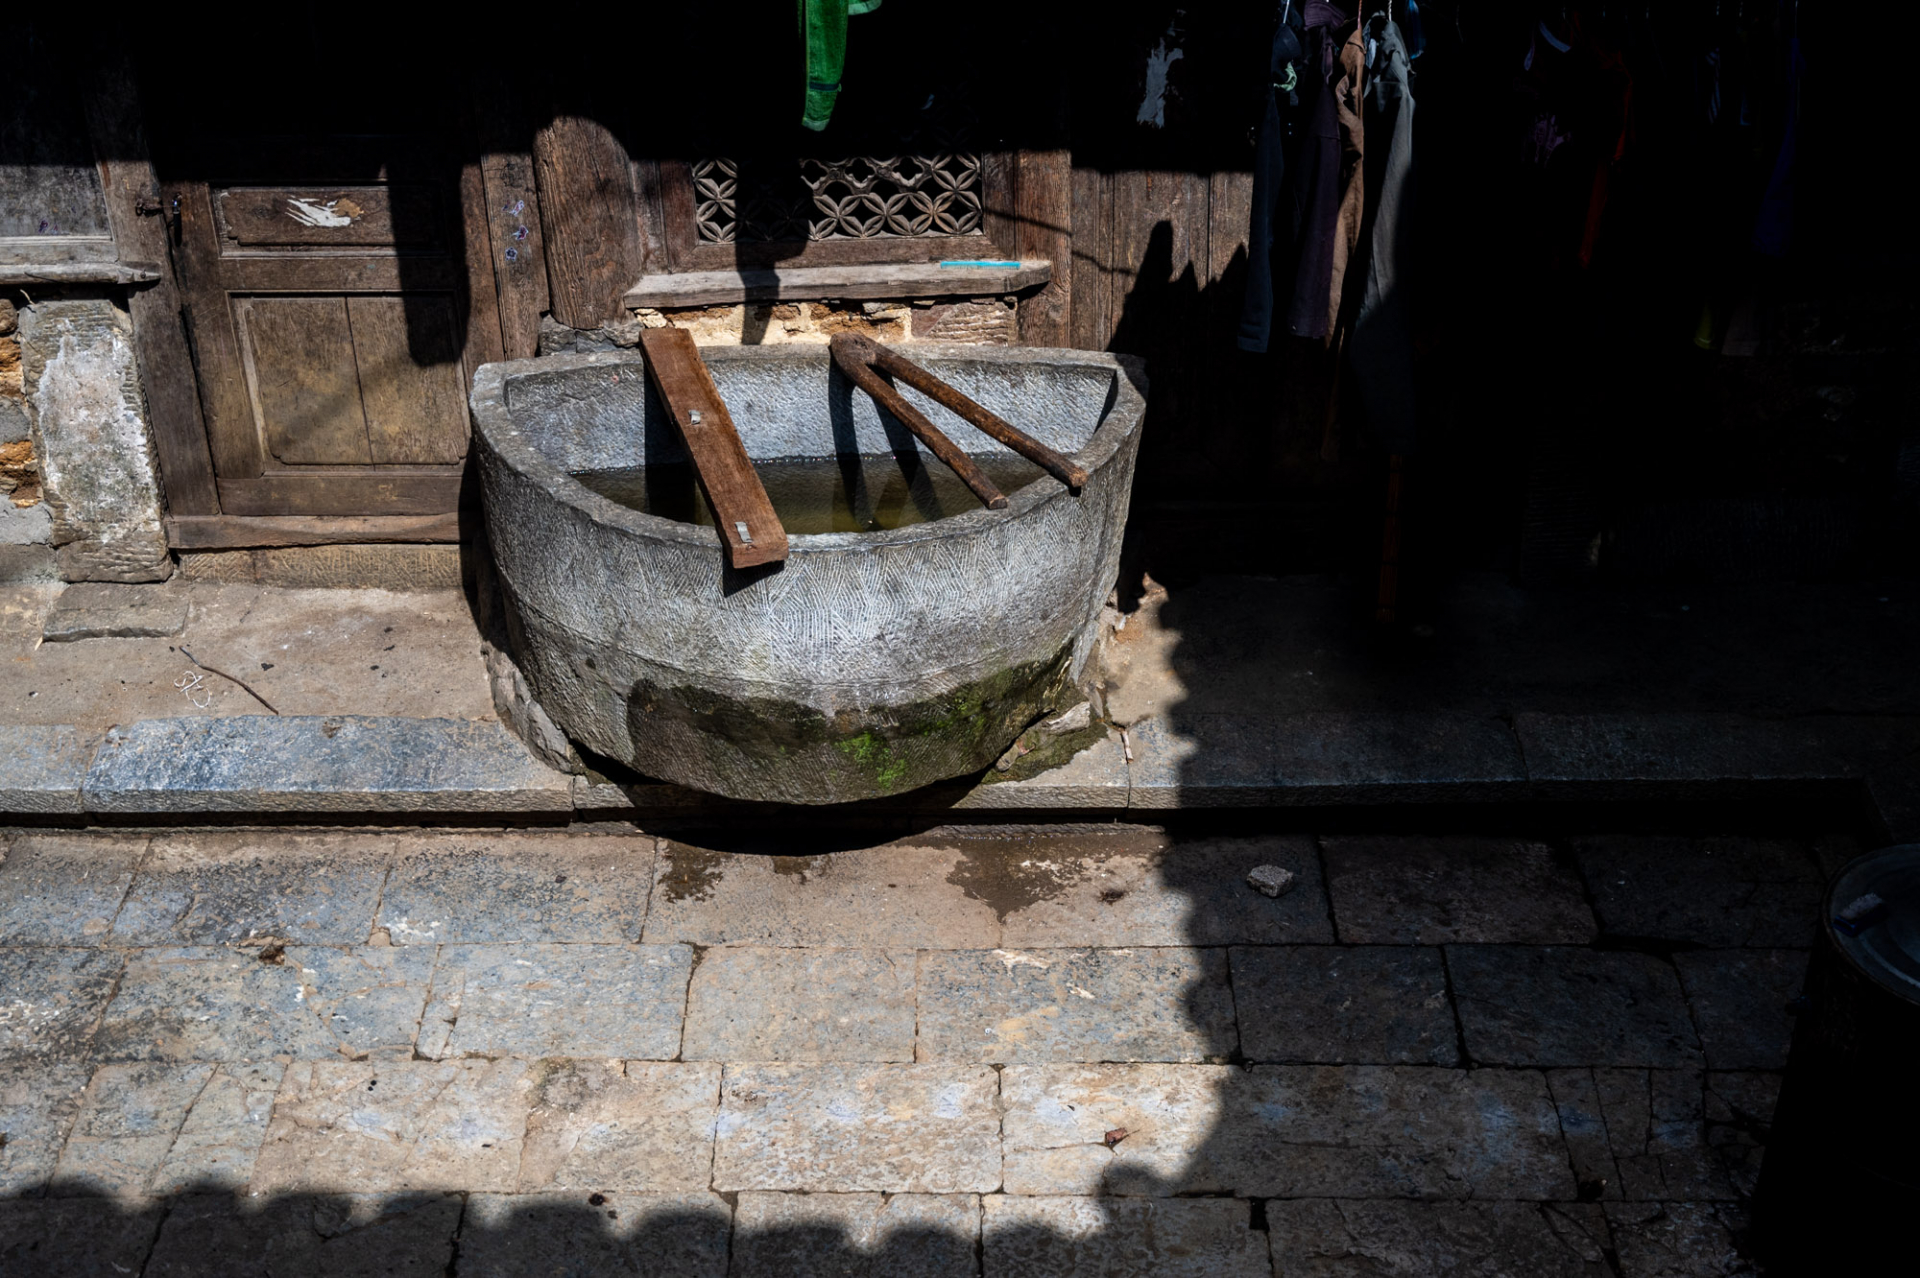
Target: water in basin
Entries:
(849, 493)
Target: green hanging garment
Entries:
(823, 25)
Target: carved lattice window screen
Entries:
(921, 192)
(857, 198)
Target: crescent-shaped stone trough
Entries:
(869, 663)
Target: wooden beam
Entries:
(819, 283)
(58, 273)
(590, 218)
(159, 333)
(236, 532)
(743, 514)
(344, 491)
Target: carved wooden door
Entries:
(339, 295)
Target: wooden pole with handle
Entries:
(854, 355)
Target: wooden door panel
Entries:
(410, 215)
(338, 317)
(412, 387)
(306, 395)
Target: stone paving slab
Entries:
(1096, 779)
(1223, 760)
(614, 1234)
(64, 889)
(1678, 1240)
(1058, 1116)
(1292, 1131)
(632, 1126)
(1121, 1238)
(76, 1236)
(899, 896)
(753, 1004)
(348, 1236)
(498, 887)
(1638, 1135)
(210, 1003)
(1337, 1004)
(342, 764)
(1312, 1131)
(831, 1128)
(254, 887)
(126, 1127)
(1556, 1005)
(1330, 1238)
(1188, 892)
(378, 1127)
(39, 1101)
(1656, 1128)
(1075, 1005)
(50, 999)
(221, 1137)
(43, 768)
(1718, 892)
(1739, 1112)
(1583, 1126)
(1672, 756)
(857, 1235)
(165, 1128)
(557, 1000)
(1739, 1000)
(1430, 891)
(99, 610)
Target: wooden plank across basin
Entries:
(742, 512)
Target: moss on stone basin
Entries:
(867, 664)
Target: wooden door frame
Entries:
(199, 515)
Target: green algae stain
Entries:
(782, 751)
(876, 755)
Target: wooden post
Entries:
(1043, 226)
(140, 231)
(513, 214)
(590, 217)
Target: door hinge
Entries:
(144, 207)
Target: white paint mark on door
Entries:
(1153, 105)
(314, 213)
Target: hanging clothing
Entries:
(1381, 347)
(1574, 102)
(1318, 181)
(1268, 271)
(1348, 92)
(1773, 229)
(823, 29)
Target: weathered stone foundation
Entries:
(89, 436)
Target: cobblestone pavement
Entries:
(1085, 1050)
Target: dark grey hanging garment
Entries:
(1381, 347)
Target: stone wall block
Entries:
(90, 433)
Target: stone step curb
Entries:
(279, 765)
(294, 767)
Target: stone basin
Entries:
(869, 663)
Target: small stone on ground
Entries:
(1270, 880)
